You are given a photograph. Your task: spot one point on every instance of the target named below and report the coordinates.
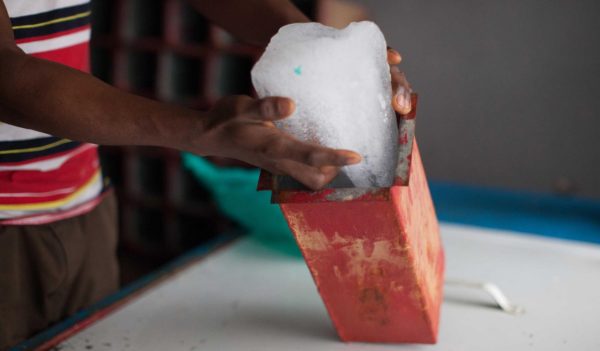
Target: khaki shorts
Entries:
(48, 272)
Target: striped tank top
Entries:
(44, 178)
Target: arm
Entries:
(253, 21)
(55, 99)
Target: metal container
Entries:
(374, 253)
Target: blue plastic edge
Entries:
(556, 216)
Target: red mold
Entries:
(374, 253)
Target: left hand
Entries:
(400, 87)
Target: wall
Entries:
(510, 92)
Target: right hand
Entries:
(241, 127)
(401, 89)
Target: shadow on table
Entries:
(284, 323)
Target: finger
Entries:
(318, 156)
(270, 108)
(393, 56)
(314, 178)
(401, 102)
(401, 92)
(283, 146)
(399, 79)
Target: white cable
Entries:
(492, 290)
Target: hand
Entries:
(400, 87)
(242, 127)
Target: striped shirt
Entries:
(44, 178)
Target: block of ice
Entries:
(340, 82)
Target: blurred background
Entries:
(509, 89)
(506, 122)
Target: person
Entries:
(58, 229)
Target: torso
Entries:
(45, 178)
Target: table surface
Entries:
(247, 297)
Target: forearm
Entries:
(253, 21)
(61, 101)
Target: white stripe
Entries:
(18, 8)
(56, 216)
(9, 132)
(47, 193)
(44, 166)
(49, 164)
(64, 41)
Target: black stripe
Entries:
(51, 28)
(33, 155)
(50, 15)
(24, 144)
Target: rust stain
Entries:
(373, 307)
(416, 297)
(396, 286)
(338, 274)
(364, 260)
(309, 238)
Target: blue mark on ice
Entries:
(298, 70)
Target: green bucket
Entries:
(234, 191)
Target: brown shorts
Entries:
(48, 272)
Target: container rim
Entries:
(286, 190)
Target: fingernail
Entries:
(354, 159)
(408, 102)
(393, 52)
(401, 101)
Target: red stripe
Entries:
(73, 173)
(47, 157)
(76, 56)
(53, 35)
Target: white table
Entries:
(247, 297)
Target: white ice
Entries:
(340, 82)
